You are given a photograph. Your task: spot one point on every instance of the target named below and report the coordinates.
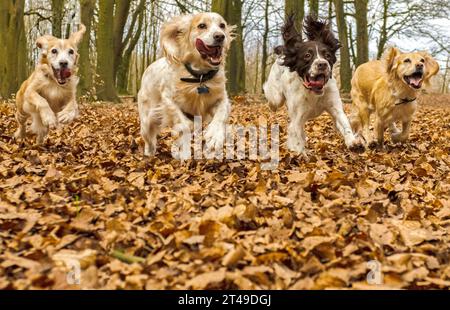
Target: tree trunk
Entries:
(57, 17)
(298, 8)
(124, 67)
(87, 8)
(120, 18)
(231, 10)
(264, 44)
(13, 47)
(362, 33)
(345, 67)
(314, 7)
(383, 32)
(105, 53)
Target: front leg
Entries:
(296, 139)
(47, 116)
(402, 137)
(181, 147)
(343, 126)
(380, 127)
(215, 132)
(69, 113)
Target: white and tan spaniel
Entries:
(48, 96)
(302, 78)
(188, 81)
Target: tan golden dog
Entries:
(48, 96)
(188, 81)
(389, 88)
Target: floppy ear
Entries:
(42, 44)
(289, 30)
(172, 34)
(389, 58)
(318, 30)
(76, 37)
(431, 66)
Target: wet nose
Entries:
(419, 66)
(322, 66)
(219, 37)
(63, 64)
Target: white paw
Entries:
(67, 116)
(296, 147)
(215, 137)
(149, 150)
(181, 154)
(48, 118)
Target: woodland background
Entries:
(124, 37)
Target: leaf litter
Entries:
(134, 223)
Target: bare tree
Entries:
(345, 66)
(13, 46)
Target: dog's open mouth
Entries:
(62, 75)
(415, 80)
(213, 54)
(316, 83)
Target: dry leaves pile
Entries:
(89, 195)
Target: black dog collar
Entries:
(199, 77)
(405, 101)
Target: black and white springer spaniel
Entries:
(302, 78)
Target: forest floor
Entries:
(89, 196)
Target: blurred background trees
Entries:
(123, 37)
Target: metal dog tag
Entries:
(203, 89)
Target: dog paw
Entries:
(67, 116)
(398, 138)
(149, 151)
(215, 138)
(375, 145)
(357, 146)
(19, 135)
(49, 119)
(181, 155)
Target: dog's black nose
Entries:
(219, 37)
(63, 64)
(419, 66)
(322, 66)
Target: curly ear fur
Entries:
(76, 37)
(317, 30)
(389, 58)
(289, 30)
(291, 38)
(172, 34)
(431, 66)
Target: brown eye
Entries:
(422, 60)
(202, 26)
(54, 51)
(71, 52)
(327, 56)
(308, 55)
(407, 60)
(222, 25)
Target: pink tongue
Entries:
(65, 73)
(415, 81)
(209, 51)
(317, 83)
